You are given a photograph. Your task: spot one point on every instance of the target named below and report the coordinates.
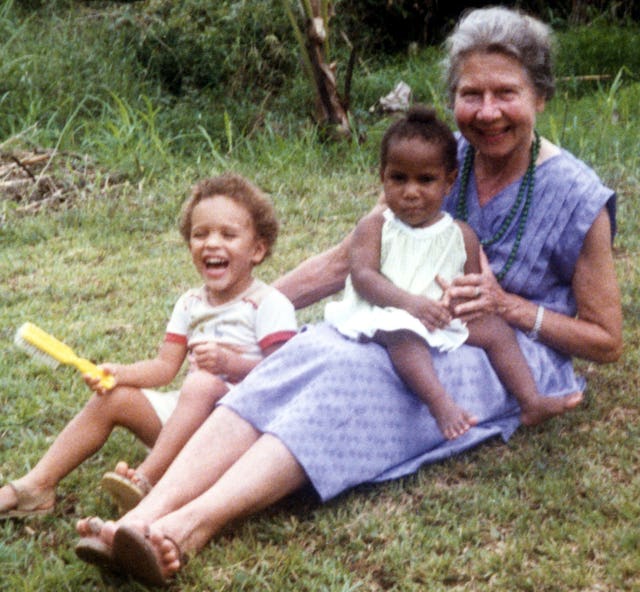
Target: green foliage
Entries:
(93, 76)
(601, 50)
(393, 25)
(555, 509)
(50, 6)
(54, 70)
(390, 26)
(299, 14)
(239, 45)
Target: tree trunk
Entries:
(331, 108)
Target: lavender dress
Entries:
(339, 406)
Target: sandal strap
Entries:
(27, 502)
(183, 558)
(142, 482)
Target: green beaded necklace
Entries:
(526, 186)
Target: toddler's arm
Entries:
(472, 247)
(472, 270)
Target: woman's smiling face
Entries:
(495, 105)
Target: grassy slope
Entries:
(555, 509)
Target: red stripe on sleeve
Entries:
(175, 338)
(278, 337)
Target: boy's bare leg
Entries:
(84, 435)
(198, 396)
(411, 358)
(499, 341)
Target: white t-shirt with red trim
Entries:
(258, 318)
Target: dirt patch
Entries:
(35, 179)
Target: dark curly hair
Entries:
(243, 192)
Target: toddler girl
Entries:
(402, 257)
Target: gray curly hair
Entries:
(502, 30)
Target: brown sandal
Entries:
(136, 555)
(92, 549)
(28, 504)
(126, 493)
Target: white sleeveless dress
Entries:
(410, 258)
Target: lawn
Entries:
(555, 509)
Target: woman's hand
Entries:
(475, 294)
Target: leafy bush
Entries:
(113, 79)
(240, 45)
(392, 25)
(599, 49)
(54, 67)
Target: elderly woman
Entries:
(333, 413)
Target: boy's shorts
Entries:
(163, 403)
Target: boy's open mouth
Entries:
(216, 263)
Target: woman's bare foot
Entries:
(543, 408)
(169, 550)
(93, 547)
(147, 554)
(452, 419)
(96, 527)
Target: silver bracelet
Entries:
(535, 332)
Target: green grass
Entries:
(556, 509)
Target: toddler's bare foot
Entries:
(452, 419)
(544, 408)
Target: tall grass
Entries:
(554, 510)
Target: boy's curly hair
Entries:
(243, 192)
